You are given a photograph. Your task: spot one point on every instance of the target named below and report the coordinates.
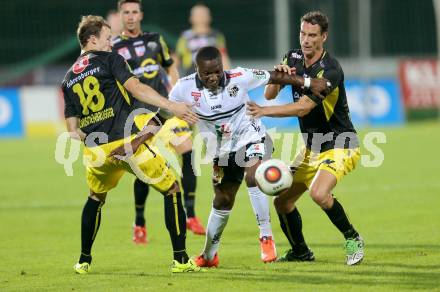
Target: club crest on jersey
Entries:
(152, 45)
(233, 90)
(140, 51)
(81, 64)
(124, 52)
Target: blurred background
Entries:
(387, 48)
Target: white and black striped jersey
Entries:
(223, 113)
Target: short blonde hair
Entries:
(88, 26)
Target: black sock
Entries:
(175, 221)
(90, 221)
(188, 184)
(291, 224)
(140, 196)
(340, 220)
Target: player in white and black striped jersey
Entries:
(219, 98)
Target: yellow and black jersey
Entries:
(93, 91)
(147, 55)
(328, 125)
(190, 42)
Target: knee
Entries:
(172, 190)
(283, 206)
(223, 203)
(250, 180)
(321, 197)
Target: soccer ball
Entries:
(273, 176)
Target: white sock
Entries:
(216, 224)
(260, 204)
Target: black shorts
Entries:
(231, 168)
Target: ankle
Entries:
(85, 258)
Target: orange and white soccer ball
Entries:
(273, 176)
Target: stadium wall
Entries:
(30, 111)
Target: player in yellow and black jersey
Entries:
(148, 55)
(97, 92)
(331, 116)
(331, 144)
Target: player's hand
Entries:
(320, 87)
(285, 68)
(254, 110)
(184, 112)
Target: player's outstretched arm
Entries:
(295, 109)
(153, 126)
(72, 125)
(319, 86)
(148, 95)
(271, 90)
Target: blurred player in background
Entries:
(149, 58)
(200, 35)
(219, 99)
(97, 107)
(115, 22)
(332, 146)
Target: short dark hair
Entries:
(88, 26)
(121, 2)
(207, 54)
(316, 17)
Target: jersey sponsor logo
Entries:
(140, 50)
(233, 75)
(148, 69)
(152, 45)
(124, 52)
(81, 64)
(138, 43)
(217, 106)
(196, 95)
(233, 90)
(296, 56)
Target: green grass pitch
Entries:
(395, 207)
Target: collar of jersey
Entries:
(222, 83)
(324, 52)
(126, 37)
(87, 52)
